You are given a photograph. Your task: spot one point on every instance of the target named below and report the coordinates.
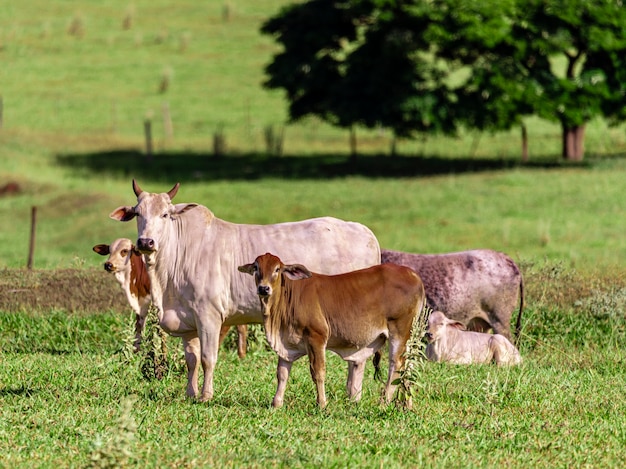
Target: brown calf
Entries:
(352, 314)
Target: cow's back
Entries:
(482, 283)
(355, 304)
(327, 245)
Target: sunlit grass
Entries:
(71, 395)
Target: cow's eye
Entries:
(165, 215)
(124, 252)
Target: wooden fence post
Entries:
(167, 122)
(147, 127)
(33, 229)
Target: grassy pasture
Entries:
(72, 136)
(72, 395)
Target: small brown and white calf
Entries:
(448, 341)
(127, 264)
(129, 268)
(353, 314)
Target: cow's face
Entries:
(437, 324)
(119, 252)
(154, 212)
(268, 271)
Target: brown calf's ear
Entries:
(102, 249)
(297, 272)
(246, 269)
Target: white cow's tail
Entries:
(518, 324)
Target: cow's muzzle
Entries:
(109, 267)
(264, 290)
(145, 245)
(429, 336)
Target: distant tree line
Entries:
(438, 66)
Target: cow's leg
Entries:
(399, 334)
(355, 380)
(191, 344)
(478, 324)
(139, 325)
(282, 375)
(317, 366)
(223, 331)
(209, 348)
(242, 340)
(501, 323)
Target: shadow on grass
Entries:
(18, 391)
(166, 167)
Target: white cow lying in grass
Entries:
(448, 341)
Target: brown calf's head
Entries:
(119, 251)
(437, 323)
(268, 271)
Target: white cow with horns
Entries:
(192, 258)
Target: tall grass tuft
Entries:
(118, 449)
(154, 359)
(411, 378)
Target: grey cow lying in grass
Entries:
(448, 341)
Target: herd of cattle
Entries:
(315, 285)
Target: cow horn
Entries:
(136, 188)
(172, 192)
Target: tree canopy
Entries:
(417, 66)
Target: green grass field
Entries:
(76, 88)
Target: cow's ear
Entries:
(182, 208)
(102, 249)
(246, 269)
(457, 325)
(297, 272)
(123, 214)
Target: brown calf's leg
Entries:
(282, 375)
(355, 380)
(242, 340)
(317, 366)
(397, 347)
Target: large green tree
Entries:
(440, 65)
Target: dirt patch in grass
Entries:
(73, 290)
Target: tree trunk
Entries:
(573, 142)
(524, 144)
